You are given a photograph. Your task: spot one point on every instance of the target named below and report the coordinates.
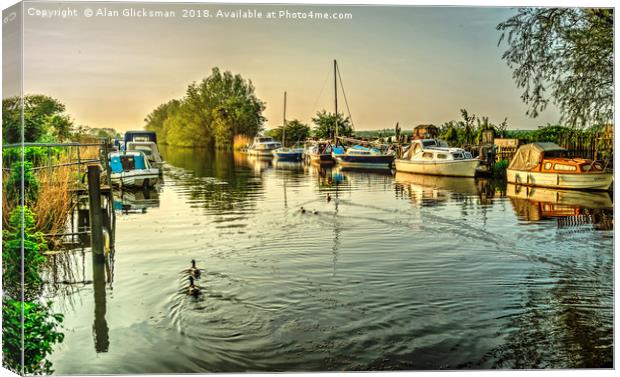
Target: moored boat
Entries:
(360, 156)
(430, 156)
(288, 154)
(132, 169)
(263, 146)
(546, 165)
(318, 151)
(149, 149)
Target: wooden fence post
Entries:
(95, 215)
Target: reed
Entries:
(54, 204)
(241, 141)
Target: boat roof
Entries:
(528, 156)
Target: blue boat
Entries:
(359, 156)
(132, 169)
(288, 154)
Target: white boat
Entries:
(318, 151)
(132, 169)
(149, 149)
(263, 146)
(546, 165)
(430, 156)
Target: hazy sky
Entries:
(408, 64)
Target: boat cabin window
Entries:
(442, 156)
(264, 139)
(429, 143)
(144, 149)
(457, 156)
(468, 155)
(563, 167)
(548, 165)
(427, 155)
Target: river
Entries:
(396, 272)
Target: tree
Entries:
(296, 131)
(212, 112)
(326, 125)
(568, 51)
(39, 111)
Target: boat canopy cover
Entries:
(529, 156)
(126, 162)
(140, 136)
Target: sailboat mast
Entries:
(284, 122)
(336, 100)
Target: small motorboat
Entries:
(360, 156)
(546, 165)
(288, 154)
(263, 146)
(132, 169)
(319, 151)
(431, 156)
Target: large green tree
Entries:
(563, 55)
(296, 131)
(43, 115)
(326, 124)
(212, 112)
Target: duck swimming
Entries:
(192, 289)
(314, 211)
(302, 210)
(193, 270)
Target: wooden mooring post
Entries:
(95, 214)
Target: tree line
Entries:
(222, 106)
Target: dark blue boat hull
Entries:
(369, 162)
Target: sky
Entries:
(412, 65)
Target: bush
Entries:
(499, 169)
(14, 183)
(40, 334)
(34, 245)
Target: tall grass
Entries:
(54, 203)
(241, 141)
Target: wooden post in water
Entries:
(95, 215)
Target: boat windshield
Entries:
(429, 143)
(264, 139)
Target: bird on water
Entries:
(329, 198)
(302, 210)
(192, 289)
(194, 271)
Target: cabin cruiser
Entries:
(132, 169)
(360, 156)
(263, 146)
(546, 165)
(431, 156)
(149, 149)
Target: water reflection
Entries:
(404, 272)
(570, 207)
(136, 201)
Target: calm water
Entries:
(396, 272)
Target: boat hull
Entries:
(365, 162)
(288, 156)
(452, 168)
(136, 178)
(261, 152)
(324, 158)
(584, 181)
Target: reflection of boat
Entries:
(319, 151)
(149, 149)
(428, 156)
(287, 165)
(545, 165)
(455, 184)
(363, 157)
(132, 169)
(136, 200)
(263, 146)
(560, 198)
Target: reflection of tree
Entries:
(217, 182)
